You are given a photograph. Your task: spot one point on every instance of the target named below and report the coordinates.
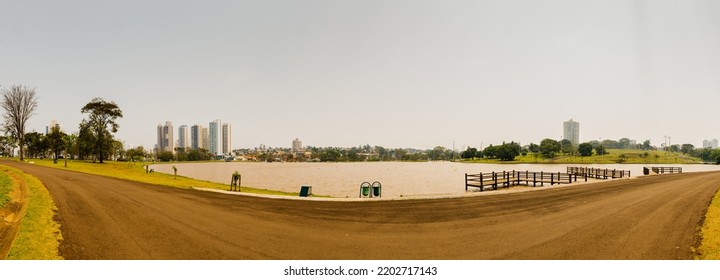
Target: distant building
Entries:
(196, 138)
(226, 139)
(205, 139)
(53, 123)
(297, 146)
(712, 144)
(165, 139)
(183, 137)
(214, 136)
(571, 131)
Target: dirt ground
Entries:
(653, 217)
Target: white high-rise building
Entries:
(571, 131)
(214, 136)
(227, 139)
(183, 137)
(297, 145)
(165, 137)
(712, 144)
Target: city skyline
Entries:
(217, 138)
(386, 73)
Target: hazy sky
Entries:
(391, 73)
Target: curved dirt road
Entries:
(646, 218)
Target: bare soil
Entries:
(653, 217)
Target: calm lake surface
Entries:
(407, 179)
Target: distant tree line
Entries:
(549, 148)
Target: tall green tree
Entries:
(55, 142)
(585, 149)
(687, 148)
(36, 144)
(19, 103)
(548, 147)
(505, 152)
(469, 153)
(101, 123)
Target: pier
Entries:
(513, 178)
(663, 170)
(598, 173)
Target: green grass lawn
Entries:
(710, 232)
(135, 171)
(39, 235)
(613, 156)
(6, 187)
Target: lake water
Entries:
(397, 178)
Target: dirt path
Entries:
(654, 217)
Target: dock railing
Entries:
(598, 173)
(510, 178)
(666, 169)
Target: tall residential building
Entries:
(183, 137)
(214, 135)
(571, 131)
(712, 144)
(297, 145)
(205, 141)
(227, 139)
(165, 139)
(196, 137)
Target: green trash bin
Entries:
(377, 189)
(305, 191)
(365, 189)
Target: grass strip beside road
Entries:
(6, 187)
(710, 232)
(135, 171)
(39, 235)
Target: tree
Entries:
(101, 123)
(505, 152)
(534, 148)
(624, 143)
(19, 103)
(715, 154)
(69, 140)
(687, 148)
(36, 144)
(515, 147)
(490, 151)
(548, 147)
(136, 154)
(585, 149)
(646, 145)
(85, 141)
(566, 147)
(600, 150)
(55, 142)
(438, 153)
(165, 156)
(469, 153)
